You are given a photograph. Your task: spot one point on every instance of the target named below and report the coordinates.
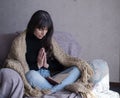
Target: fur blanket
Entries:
(17, 61)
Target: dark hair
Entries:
(41, 19)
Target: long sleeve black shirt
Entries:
(33, 46)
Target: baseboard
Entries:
(115, 84)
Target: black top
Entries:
(33, 46)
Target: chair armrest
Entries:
(101, 75)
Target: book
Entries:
(57, 79)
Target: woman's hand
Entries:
(42, 59)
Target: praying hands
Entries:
(41, 59)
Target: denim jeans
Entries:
(37, 79)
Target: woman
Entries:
(35, 55)
(39, 55)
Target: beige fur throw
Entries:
(17, 61)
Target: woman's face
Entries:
(40, 33)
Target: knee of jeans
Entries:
(76, 69)
(31, 75)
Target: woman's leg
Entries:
(73, 76)
(36, 80)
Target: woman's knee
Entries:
(32, 75)
(75, 69)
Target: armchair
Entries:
(11, 84)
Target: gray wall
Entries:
(94, 23)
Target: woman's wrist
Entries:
(39, 66)
(46, 65)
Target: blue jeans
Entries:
(37, 79)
